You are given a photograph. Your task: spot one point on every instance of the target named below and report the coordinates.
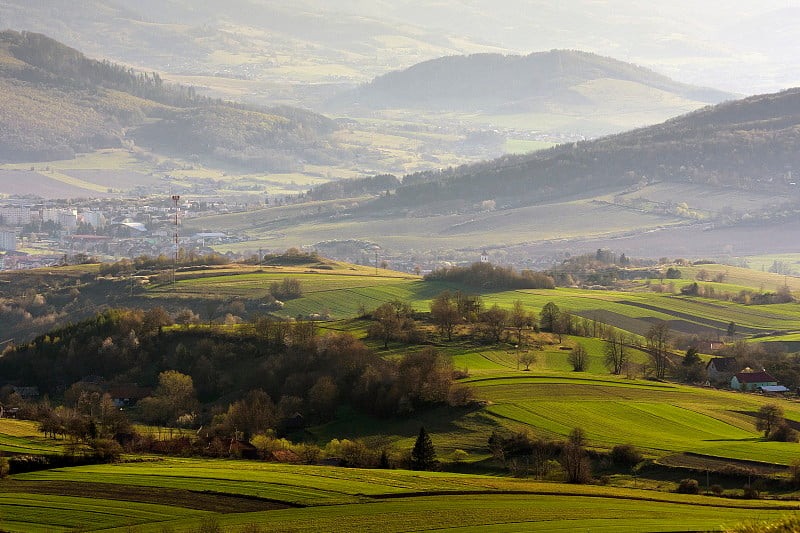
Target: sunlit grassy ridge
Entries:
(23, 436)
(345, 290)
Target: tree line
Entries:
(489, 276)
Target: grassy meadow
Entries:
(24, 437)
(345, 289)
(155, 496)
(664, 420)
(548, 399)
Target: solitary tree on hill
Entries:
(658, 339)
(423, 456)
(521, 319)
(445, 314)
(578, 358)
(550, 316)
(769, 417)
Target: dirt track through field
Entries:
(203, 501)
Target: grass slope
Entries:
(365, 500)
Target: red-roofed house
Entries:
(748, 380)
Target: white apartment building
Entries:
(95, 218)
(16, 216)
(68, 219)
(50, 214)
(8, 240)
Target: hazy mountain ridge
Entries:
(240, 38)
(744, 144)
(58, 102)
(506, 83)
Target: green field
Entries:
(343, 291)
(550, 400)
(332, 498)
(664, 420)
(23, 436)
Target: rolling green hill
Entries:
(682, 430)
(58, 102)
(147, 497)
(747, 144)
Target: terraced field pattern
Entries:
(343, 290)
(185, 495)
(665, 420)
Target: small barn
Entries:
(243, 449)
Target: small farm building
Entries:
(749, 380)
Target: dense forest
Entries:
(298, 367)
(58, 102)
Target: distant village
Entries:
(36, 234)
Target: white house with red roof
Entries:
(749, 380)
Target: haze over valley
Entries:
(264, 104)
(453, 265)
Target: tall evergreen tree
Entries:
(423, 456)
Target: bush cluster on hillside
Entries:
(488, 276)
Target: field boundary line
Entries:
(784, 507)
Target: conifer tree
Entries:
(423, 456)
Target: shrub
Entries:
(626, 455)
(309, 453)
(783, 433)
(460, 456)
(688, 486)
(106, 449)
(716, 490)
(287, 289)
(751, 492)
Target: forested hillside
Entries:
(750, 144)
(58, 102)
(512, 84)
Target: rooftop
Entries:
(754, 377)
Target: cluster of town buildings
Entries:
(42, 234)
